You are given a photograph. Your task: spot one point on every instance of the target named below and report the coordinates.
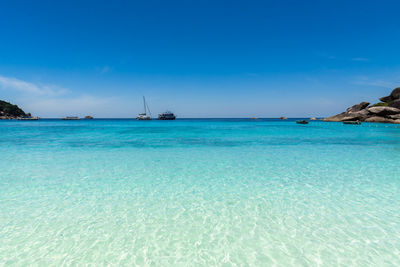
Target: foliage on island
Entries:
(381, 104)
(10, 110)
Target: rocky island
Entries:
(386, 111)
(9, 111)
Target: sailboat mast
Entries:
(148, 110)
(144, 105)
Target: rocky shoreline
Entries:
(386, 111)
(9, 111)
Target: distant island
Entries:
(9, 111)
(386, 111)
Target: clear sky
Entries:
(197, 58)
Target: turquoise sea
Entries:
(220, 192)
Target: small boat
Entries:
(352, 122)
(283, 118)
(313, 119)
(254, 118)
(166, 116)
(71, 118)
(88, 117)
(144, 116)
(302, 122)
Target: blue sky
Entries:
(197, 58)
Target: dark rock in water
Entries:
(346, 117)
(338, 117)
(380, 119)
(362, 114)
(388, 111)
(393, 96)
(386, 98)
(358, 107)
(384, 111)
(395, 117)
(356, 112)
(395, 93)
(355, 116)
(395, 104)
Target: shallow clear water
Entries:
(199, 193)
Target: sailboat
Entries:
(144, 116)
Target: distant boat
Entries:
(71, 118)
(144, 116)
(313, 119)
(28, 118)
(283, 118)
(254, 118)
(168, 115)
(302, 122)
(352, 122)
(88, 117)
